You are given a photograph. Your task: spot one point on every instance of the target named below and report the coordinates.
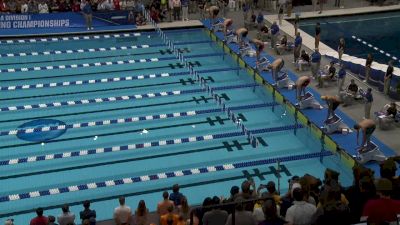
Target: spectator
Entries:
(216, 216)
(39, 219)
(75, 6)
(117, 5)
(315, 63)
(155, 14)
(63, 6)
(271, 214)
(66, 217)
(176, 196)
(176, 4)
(368, 64)
(141, 214)
(185, 10)
(54, 6)
(233, 193)
(282, 46)
(87, 213)
(184, 209)
(12, 6)
(24, 7)
(388, 78)
(32, 6)
(274, 35)
(43, 8)
(3, 6)
(384, 209)
(304, 60)
(297, 47)
(52, 220)
(140, 21)
(162, 207)
(242, 217)
(123, 213)
(170, 218)
(87, 13)
(301, 211)
(388, 170)
(368, 103)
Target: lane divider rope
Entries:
(103, 80)
(162, 175)
(117, 98)
(73, 51)
(98, 64)
(128, 120)
(375, 48)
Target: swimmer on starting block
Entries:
(241, 35)
(333, 102)
(301, 84)
(259, 48)
(368, 127)
(276, 67)
(227, 27)
(213, 13)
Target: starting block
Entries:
(370, 152)
(247, 51)
(283, 81)
(309, 102)
(263, 64)
(216, 27)
(335, 125)
(231, 38)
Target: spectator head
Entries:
(332, 63)
(65, 208)
(303, 52)
(175, 188)
(298, 194)
(39, 211)
(388, 168)
(234, 190)
(393, 104)
(52, 219)
(269, 209)
(141, 209)
(369, 90)
(390, 63)
(86, 204)
(384, 187)
(352, 81)
(274, 23)
(318, 24)
(294, 186)
(121, 200)
(216, 201)
(298, 34)
(170, 209)
(331, 175)
(165, 194)
(271, 187)
(246, 186)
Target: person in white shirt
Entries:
(24, 7)
(123, 213)
(66, 217)
(43, 8)
(301, 212)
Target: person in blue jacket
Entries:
(298, 41)
(274, 35)
(87, 13)
(315, 63)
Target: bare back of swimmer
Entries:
(276, 66)
(213, 11)
(333, 102)
(301, 84)
(259, 48)
(227, 25)
(368, 127)
(241, 34)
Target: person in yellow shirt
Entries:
(170, 218)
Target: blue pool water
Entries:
(103, 117)
(379, 30)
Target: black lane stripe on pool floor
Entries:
(170, 65)
(181, 81)
(245, 174)
(198, 100)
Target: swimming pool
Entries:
(95, 117)
(377, 33)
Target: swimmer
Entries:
(259, 48)
(227, 26)
(241, 34)
(276, 66)
(301, 84)
(213, 13)
(368, 127)
(333, 102)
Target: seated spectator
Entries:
(331, 70)
(52, 220)
(141, 214)
(263, 34)
(105, 5)
(66, 217)
(117, 5)
(87, 213)
(170, 218)
(184, 209)
(75, 6)
(301, 211)
(39, 219)
(271, 214)
(383, 210)
(303, 61)
(176, 196)
(32, 6)
(388, 170)
(42, 7)
(392, 110)
(242, 216)
(12, 6)
(353, 87)
(140, 21)
(162, 207)
(3, 6)
(63, 6)
(282, 45)
(123, 213)
(215, 216)
(352, 93)
(24, 6)
(54, 6)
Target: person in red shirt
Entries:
(40, 219)
(384, 209)
(116, 5)
(75, 6)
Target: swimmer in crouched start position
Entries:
(367, 127)
(301, 84)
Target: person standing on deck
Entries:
(341, 49)
(368, 64)
(317, 34)
(388, 78)
(298, 41)
(87, 13)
